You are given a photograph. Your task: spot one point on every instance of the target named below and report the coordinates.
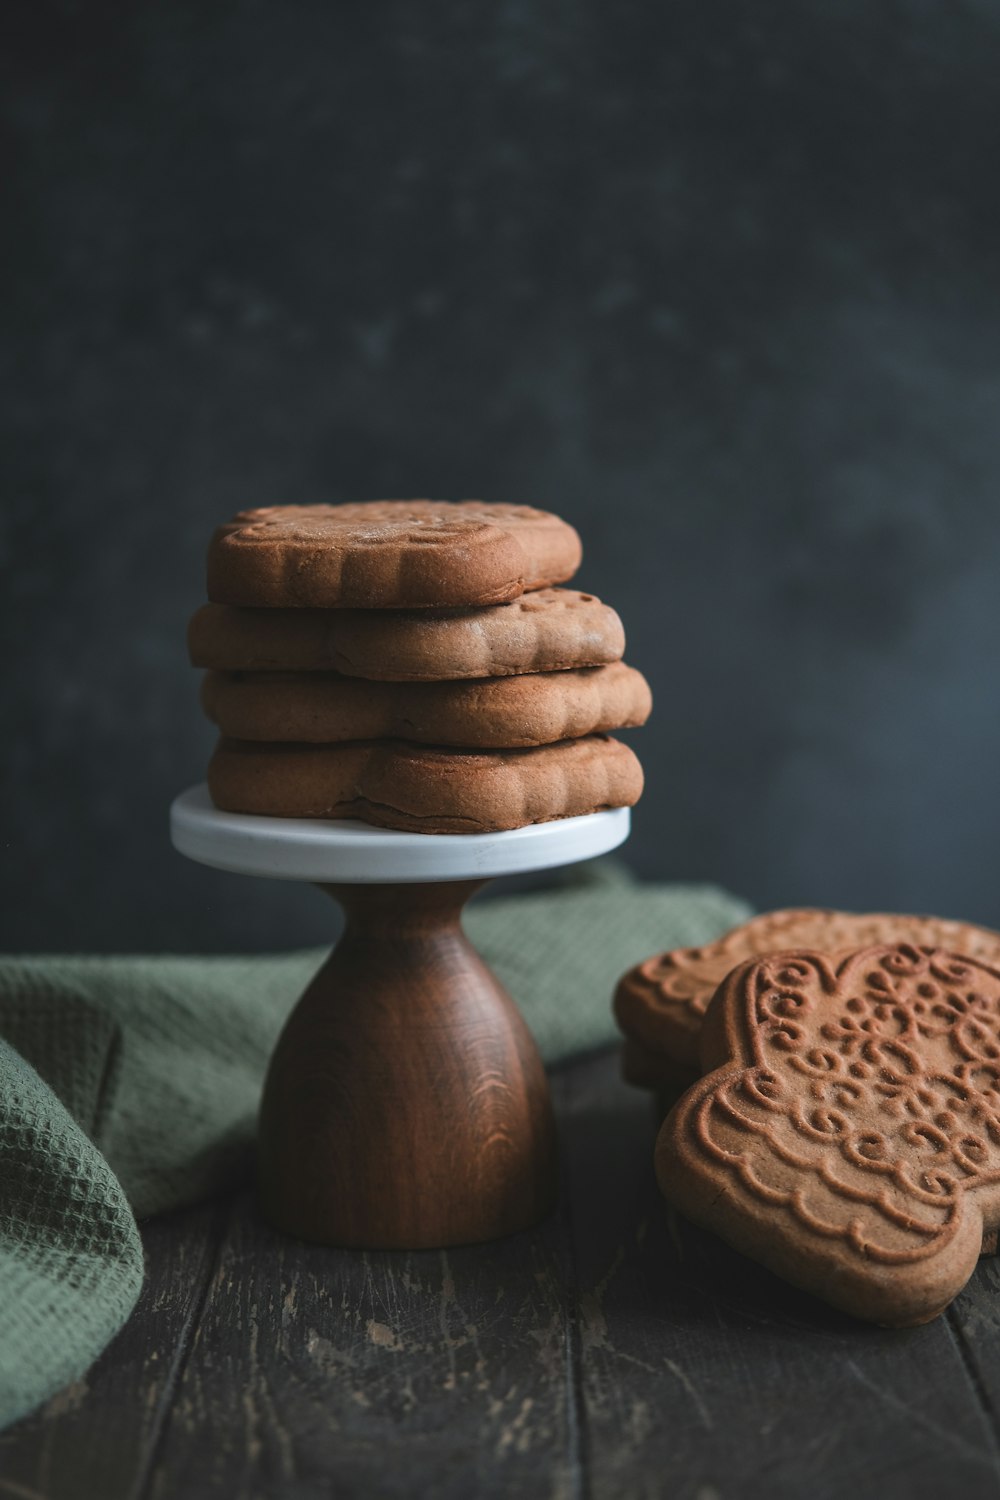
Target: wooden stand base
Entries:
(406, 1105)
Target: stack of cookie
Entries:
(412, 664)
(839, 1113)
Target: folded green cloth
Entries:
(130, 1085)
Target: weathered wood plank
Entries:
(704, 1376)
(300, 1372)
(317, 1372)
(974, 1318)
(95, 1440)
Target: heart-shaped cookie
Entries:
(848, 1135)
(660, 1003)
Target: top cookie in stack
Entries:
(410, 663)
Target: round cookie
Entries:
(487, 713)
(388, 554)
(395, 785)
(848, 1133)
(548, 630)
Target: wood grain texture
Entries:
(406, 1104)
(613, 1352)
(380, 1374)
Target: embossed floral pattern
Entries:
(856, 1122)
(662, 1001)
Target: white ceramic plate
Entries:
(357, 854)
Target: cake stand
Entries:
(405, 1105)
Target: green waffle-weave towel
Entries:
(130, 1085)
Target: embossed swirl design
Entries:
(869, 1099)
(687, 978)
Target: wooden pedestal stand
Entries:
(405, 1105)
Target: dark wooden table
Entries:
(615, 1351)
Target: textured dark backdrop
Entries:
(718, 282)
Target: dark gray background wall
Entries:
(718, 282)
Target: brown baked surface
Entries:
(667, 1080)
(396, 785)
(848, 1133)
(548, 630)
(487, 713)
(388, 554)
(661, 1002)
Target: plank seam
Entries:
(576, 1406)
(182, 1354)
(971, 1368)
